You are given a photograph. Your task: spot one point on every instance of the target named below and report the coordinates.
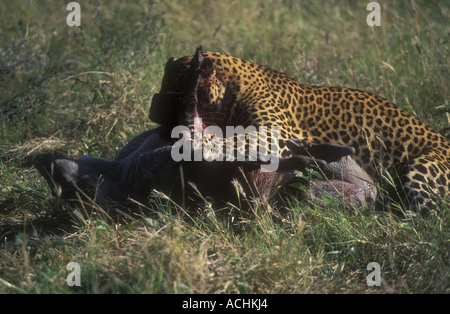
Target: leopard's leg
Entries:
(426, 181)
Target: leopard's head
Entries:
(179, 82)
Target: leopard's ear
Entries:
(197, 60)
(169, 63)
(198, 50)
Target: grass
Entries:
(88, 91)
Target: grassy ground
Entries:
(88, 90)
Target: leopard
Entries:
(388, 141)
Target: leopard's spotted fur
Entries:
(235, 92)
